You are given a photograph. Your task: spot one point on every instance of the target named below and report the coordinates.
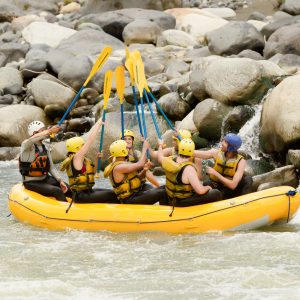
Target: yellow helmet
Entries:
(74, 144)
(186, 147)
(184, 134)
(118, 148)
(127, 132)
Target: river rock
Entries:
(35, 62)
(113, 22)
(48, 92)
(288, 62)
(197, 84)
(279, 15)
(199, 26)
(272, 27)
(75, 71)
(18, 24)
(247, 53)
(70, 8)
(46, 33)
(88, 42)
(81, 111)
(14, 120)
(11, 80)
(174, 106)
(280, 176)
(9, 153)
(293, 157)
(78, 125)
(176, 38)
(257, 166)
(188, 123)
(237, 80)
(208, 118)
(8, 11)
(280, 116)
(141, 31)
(292, 7)
(6, 99)
(259, 25)
(222, 12)
(14, 51)
(256, 15)
(234, 37)
(56, 58)
(54, 110)
(236, 118)
(3, 59)
(284, 41)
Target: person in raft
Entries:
(81, 171)
(183, 187)
(36, 166)
(124, 176)
(227, 175)
(173, 151)
(134, 156)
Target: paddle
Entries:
(106, 93)
(129, 67)
(96, 67)
(120, 83)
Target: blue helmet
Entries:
(234, 142)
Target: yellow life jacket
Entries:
(226, 167)
(40, 166)
(175, 188)
(79, 180)
(130, 184)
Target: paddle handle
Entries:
(122, 120)
(137, 110)
(144, 122)
(71, 105)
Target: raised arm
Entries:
(212, 153)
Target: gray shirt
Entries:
(28, 155)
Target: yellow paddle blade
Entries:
(138, 75)
(129, 67)
(136, 55)
(120, 82)
(107, 86)
(127, 53)
(101, 59)
(143, 76)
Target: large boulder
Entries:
(14, 51)
(47, 92)
(235, 37)
(238, 80)
(141, 31)
(208, 118)
(291, 6)
(14, 120)
(11, 81)
(280, 121)
(18, 24)
(46, 33)
(188, 123)
(8, 11)
(174, 106)
(176, 38)
(113, 22)
(35, 62)
(197, 84)
(284, 40)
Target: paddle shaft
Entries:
(137, 110)
(152, 115)
(101, 141)
(122, 120)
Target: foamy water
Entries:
(42, 264)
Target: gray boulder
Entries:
(197, 84)
(75, 71)
(208, 118)
(35, 62)
(11, 81)
(293, 157)
(292, 7)
(14, 51)
(14, 120)
(174, 106)
(250, 54)
(48, 92)
(8, 11)
(280, 117)
(141, 31)
(234, 37)
(176, 38)
(284, 41)
(56, 58)
(258, 166)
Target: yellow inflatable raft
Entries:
(242, 213)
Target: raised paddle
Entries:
(96, 67)
(106, 93)
(129, 67)
(120, 83)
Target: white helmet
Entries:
(35, 126)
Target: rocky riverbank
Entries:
(209, 70)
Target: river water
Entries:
(41, 264)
